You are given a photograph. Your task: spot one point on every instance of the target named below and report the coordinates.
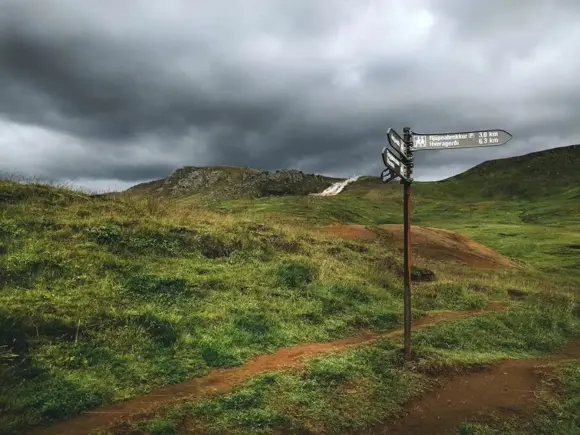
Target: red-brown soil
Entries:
(222, 380)
(431, 243)
(509, 388)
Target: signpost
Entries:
(398, 167)
(402, 167)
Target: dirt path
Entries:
(433, 243)
(222, 380)
(509, 388)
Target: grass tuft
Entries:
(295, 274)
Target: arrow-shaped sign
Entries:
(398, 167)
(397, 143)
(468, 139)
(387, 175)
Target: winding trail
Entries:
(509, 388)
(222, 380)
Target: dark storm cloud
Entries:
(130, 91)
(120, 97)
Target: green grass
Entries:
(348, 391)
(505, 204)
(107, 297)
(514, 228)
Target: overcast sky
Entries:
(111, 93)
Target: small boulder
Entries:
(422, 275)
(516, 293)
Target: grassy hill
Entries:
(530, 176)
(541, 187)
(478, 202)
(103, 298)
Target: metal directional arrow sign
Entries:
(387, 175)
(397, 143)
(398, 167)
(469, 139)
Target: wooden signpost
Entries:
(400, 164)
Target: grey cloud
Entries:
(274, 84)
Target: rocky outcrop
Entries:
(236, 182)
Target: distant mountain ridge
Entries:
(229, 182)
(528, 176)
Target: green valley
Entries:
(104, 298)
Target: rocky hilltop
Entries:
(234, 182)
